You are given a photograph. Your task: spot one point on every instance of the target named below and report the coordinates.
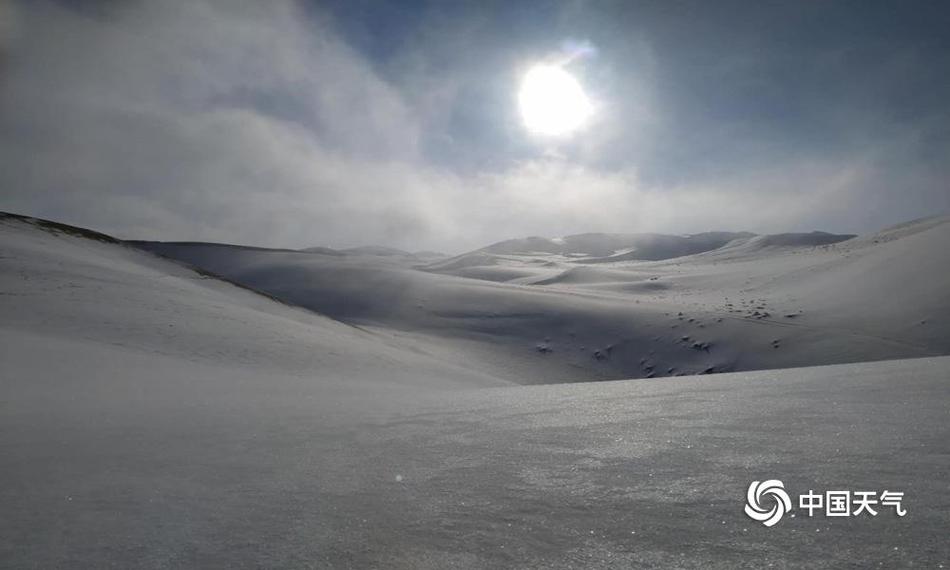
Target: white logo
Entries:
(834, 503)
(754, 508)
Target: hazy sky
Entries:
(293, 124)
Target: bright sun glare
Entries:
(552, 102)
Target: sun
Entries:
(552, 101)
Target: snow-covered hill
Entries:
(98, 296)
(152, 416)
(760, 302)
(597, 245)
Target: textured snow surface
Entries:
(151, 416)
(756, 303)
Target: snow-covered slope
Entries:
(115, 457)
(597, 248)
(154, 417)
(95, 295)
(600, 245)
(775, 305)
(517, 259)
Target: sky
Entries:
(353, 122)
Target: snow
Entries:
(152, 416)
(60, 287)
(849, 301)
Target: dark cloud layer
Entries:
(289, 124)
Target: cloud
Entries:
(257, 123)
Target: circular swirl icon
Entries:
(758, 490)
